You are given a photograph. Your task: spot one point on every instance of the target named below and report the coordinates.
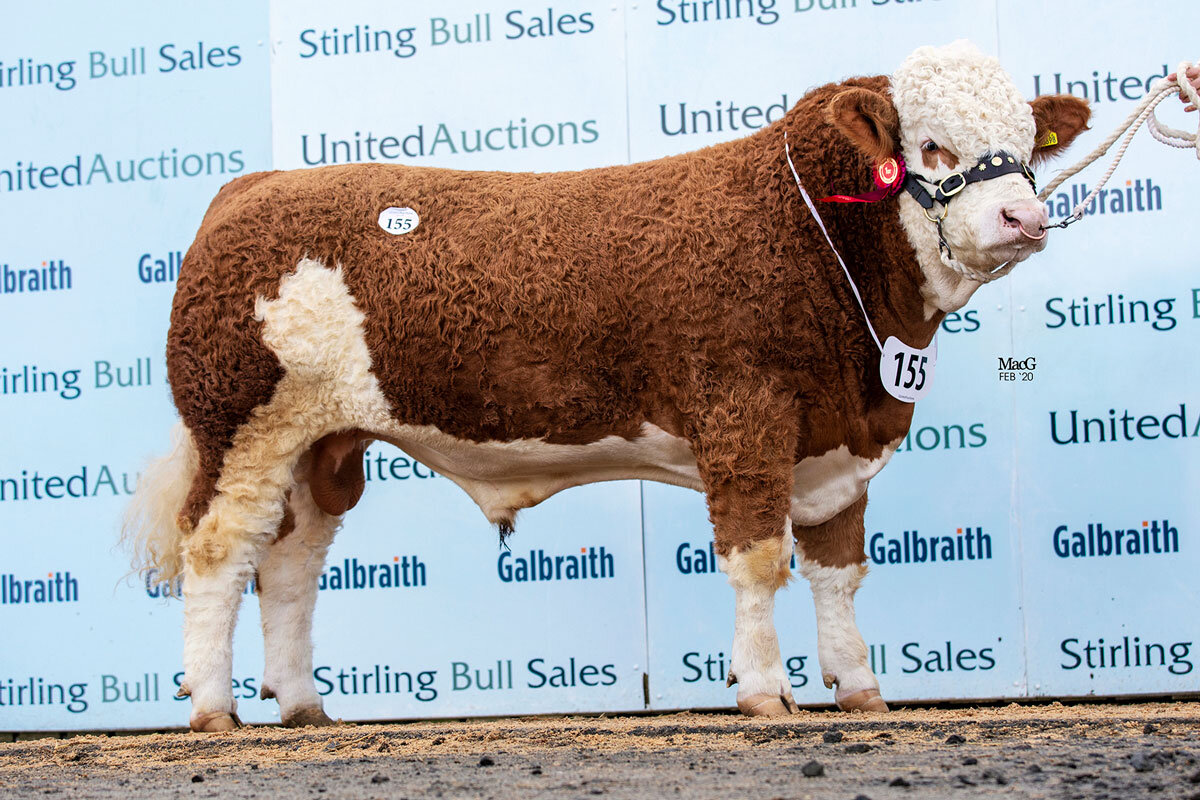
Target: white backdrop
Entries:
(120, 124)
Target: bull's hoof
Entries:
(863, 700)
(266, 693)
(767, 705)
(312, 715)
(215, 722)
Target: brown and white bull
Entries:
(680, 320)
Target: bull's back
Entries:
(502, 315)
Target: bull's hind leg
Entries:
(315, 331)
(747, 480)
(221, 555)
(831, 557)
(287, 587)
(219, 558)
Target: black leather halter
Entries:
(991, 165)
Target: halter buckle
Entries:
(955, 189)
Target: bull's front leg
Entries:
(831, 556)
(756, 570)
(747, 477)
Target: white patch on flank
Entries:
(824, 485)
(287, 592)
(966, 103)
(840, 647)
(756, 661)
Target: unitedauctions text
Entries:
(99, 169)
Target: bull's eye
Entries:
(930, 146)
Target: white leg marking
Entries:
(211, 601)
(840, 647)
(755, 574)
(287, 585)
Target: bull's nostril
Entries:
(1020, 221)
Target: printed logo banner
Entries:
(1032, 535)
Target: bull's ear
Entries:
(1060, 118)
(868, 119)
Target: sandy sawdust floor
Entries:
(1033, 751)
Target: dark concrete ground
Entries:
(1034, 751)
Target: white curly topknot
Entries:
(963, 94)
(963, 101)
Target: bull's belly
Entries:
(504, 477)
(824, 485)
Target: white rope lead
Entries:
(1144, 113)
(821, 224)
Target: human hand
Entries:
(1193, 75)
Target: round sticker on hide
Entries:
(907, 372)
(398, 220)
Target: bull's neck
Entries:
(869, 236)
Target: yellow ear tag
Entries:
(1050, 140)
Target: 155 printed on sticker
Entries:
(397, 221)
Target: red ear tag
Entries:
(887, 173)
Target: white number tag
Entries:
(398, 220)
(907, 373)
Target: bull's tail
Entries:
(151, 531)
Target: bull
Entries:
(681, 320)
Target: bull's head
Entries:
(954, 111)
